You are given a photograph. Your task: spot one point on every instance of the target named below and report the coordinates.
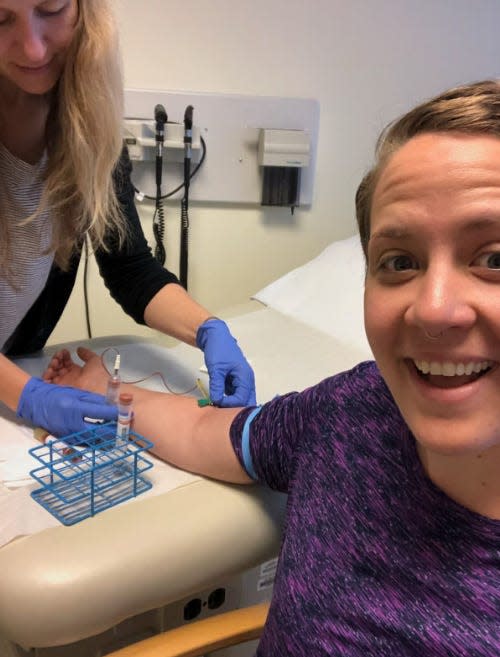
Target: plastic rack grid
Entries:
(90, 471)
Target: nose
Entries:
(31, 40)
(441, 301)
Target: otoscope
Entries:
(160, 119)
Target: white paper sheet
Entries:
(325, 293)
(15, 461)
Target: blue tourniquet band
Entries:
(245, 443)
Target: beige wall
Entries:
(366, 61)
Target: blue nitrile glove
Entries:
(61, 409)
(232, 382)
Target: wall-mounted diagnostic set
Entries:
(219, 148)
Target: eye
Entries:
(400, 262)
(5, 19)
(53, 9)
(44, 13)
(489, 260)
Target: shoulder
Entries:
(361, 385)
(355, 406)
(353, 397)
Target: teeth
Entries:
(423, 366)
(435, 368)
(451, 369)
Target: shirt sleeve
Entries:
(273, 434)
(301, 427)
(130, 272)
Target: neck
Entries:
(14, 96)
(471, 479)
(23, 119)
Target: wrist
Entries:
(203, 329)
(12, 381)
(24, 403)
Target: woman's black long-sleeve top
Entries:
(130, 273)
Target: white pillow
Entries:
(325, 293)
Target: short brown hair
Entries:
(471, 108)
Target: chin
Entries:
(36, 84)
(38, 88)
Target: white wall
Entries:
(366, 61)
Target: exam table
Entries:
(65, 584)
(69, 583)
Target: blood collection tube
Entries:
(124, 417)
(114, 384)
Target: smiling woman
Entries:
(34, 39)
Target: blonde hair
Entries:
(84, 139)
(470, 109)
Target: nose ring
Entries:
(430, 336)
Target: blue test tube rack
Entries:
(87, 472)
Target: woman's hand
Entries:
(61, 410)
(232, 381)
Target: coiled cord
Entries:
(159, 232)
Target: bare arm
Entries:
(174, 312)
(192, 438)
(12, 381)
(189, 437)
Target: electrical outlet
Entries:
(218, 598)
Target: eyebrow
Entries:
(391, 232)
(402, 232)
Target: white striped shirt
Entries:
(21, 188)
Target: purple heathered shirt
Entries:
(376, 561)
